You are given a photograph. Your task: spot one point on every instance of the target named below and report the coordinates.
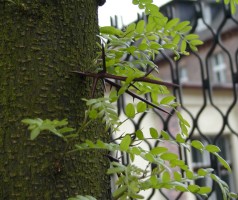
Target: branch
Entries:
(136, 96)
(122, 78)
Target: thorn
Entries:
(110, 87)
(137, 97)
(112, 159)
(149, 72)
(132, 85)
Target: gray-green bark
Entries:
(41, 41)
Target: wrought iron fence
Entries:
(208, 90)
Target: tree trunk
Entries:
(41, 42)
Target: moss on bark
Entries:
(41, 41)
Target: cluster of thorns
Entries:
(106, 77)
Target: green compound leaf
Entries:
(149, 157)
(113, 96)
(183, 46)
(154, 133)
(177, 176)
(135, 2)
(125, 143)
(165, 135)
(141, 107)
(182, 120)
(166, 177)
(140, 135)
(196, 42)
(180, 138)
(130, 110)
(193, 188)
(158, 150)
(172, 23)
(189, 174)
(181, 25)
(223, 162)
(115, 170)
(153, 180)
(169, 156)
(197, 144)
(34, 133)
(191, 36)
(212, 148)
(93, 114)
(110, 30)
(167, 100)
(204, 190)
(119, 192)
(140, 26)
(233, 195)
(136, 150)
(204, 172)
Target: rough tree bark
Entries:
(41, 41)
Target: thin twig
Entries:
(136, 96)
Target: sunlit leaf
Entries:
(177, 176)
(169, 156)
(204, 172)
(114, 170)
(166, 176)
(153, 180)
(158, 150)
(140, 26)
(130, 110)
(149, 157)
(193, 188)
(223, 162)
(183, 46)
(204, 190)
(154, 133)
(191, 36)
(136, 150)
(196, 42)
(141, 107)
(110, 30)
(197, 144)
(181, 25)
(165, 135)
(173, 22)
(212, 148)
(34, 133)
(119, 191)
(125, 143)
(189, 174)
(167, 100)
(139, 135)
(180, 138)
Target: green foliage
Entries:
(141, 41)
(233, 4)
(132, 179)
(103, 109)
(58, 128)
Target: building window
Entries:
(218, 68)
(202, 160)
